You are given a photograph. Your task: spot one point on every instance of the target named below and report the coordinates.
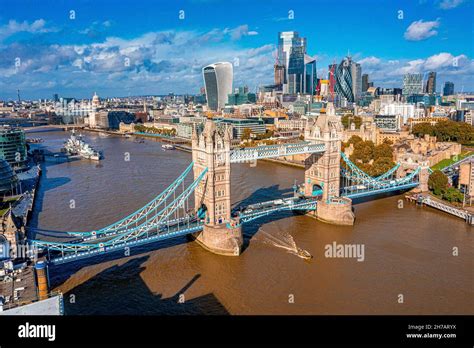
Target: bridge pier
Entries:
(423, 177)
(211, 149)
(337, 211)
(220, 239)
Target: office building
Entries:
(241, 96)
(356, 73)
(13, 146)
(365, 82)
(296, 66)
(311, 79)
(218, 84)
(344, 82)
(294, 70)
(448, 88)
(256, 126)
(285, 43)
(412, 84)
(8, 179)
(430, 86)
(388, 123)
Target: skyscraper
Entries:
(448, 88)
(311, 79)
(291, 51)
(412, 84)
(332, 81)
(430, 86)
(218, 83)
(285, 42)
(296, 70)
(279, 71)
(356, 73)
(365, 82)
(344, 81)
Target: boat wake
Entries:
(284, 241)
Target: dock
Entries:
(427, 200)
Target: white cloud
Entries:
(420, 30)
(155, 62)
(240, 31)
(446, 65)
(369, 61)
(13, 27)
(449, 4)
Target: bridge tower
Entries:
(211, 149)
(322, 170)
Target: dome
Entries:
(95, 99)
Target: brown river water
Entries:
(408, 251)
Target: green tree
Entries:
(438, 182)
(347, 119)
(452, 195)
(446, 130)
(246, 133)
(383, 150)
(381, 165)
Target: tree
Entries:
(246, 134)
(354, 140)
(438, 182)
(446, 130)
(383, 150)
(381, 165)
(452, 195)
(374, 160)
(347, 119)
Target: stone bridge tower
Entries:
(211, 150)
(323, 170)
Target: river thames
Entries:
(408, 250)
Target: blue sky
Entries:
(120, 48)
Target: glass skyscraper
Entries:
(344, 82)
(412, 84)
(294, 69)
(291, 52)
(356, 73)
(311, 80)
(218, 84)
(13, 146)
(448, 88)
(430, 86)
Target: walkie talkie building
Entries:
(218, 83)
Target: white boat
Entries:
(167, 147)
(76, 146)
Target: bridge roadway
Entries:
(451, 167)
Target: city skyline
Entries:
(148, 49)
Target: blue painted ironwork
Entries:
(273, 151)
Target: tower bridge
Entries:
(331, 181)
